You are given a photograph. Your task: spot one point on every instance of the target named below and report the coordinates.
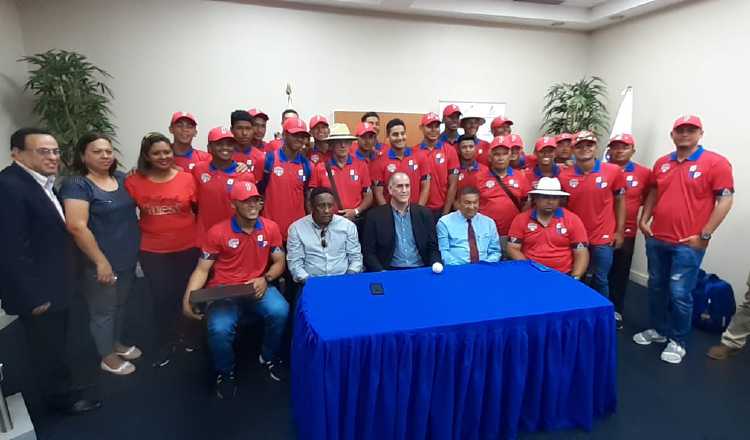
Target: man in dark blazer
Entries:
(399, 235)
(36, 262)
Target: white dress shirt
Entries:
(47, 183)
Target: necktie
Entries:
(473, 250)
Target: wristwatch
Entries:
(705, 236)
(356, 211)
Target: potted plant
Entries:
(70, 97)
(570, 108)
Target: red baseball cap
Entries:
(243, 190)
(451, 110)
(584, 135)
(218, 133)
(688, 120)
(515, 140)
(176, 116)
(295, 125)
(317, 119)
(543, 142)
(626, 138)
(564, 137)
(500, 121)
(500, 141)
(257, 112)
(365, 127)
(429, 118)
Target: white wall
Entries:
(213, 57)
(689, 59)
(14, 107)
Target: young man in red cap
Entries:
(373, 119)
(546, 167)
(286, 176)
(400, 158)
(549, 234)
(502, 190)
(215, 179)
(451, 117)
(277, 143)
(184, 128)
(564, 152)
(469, 168)
(243, 249)
(352, 177)
(365, 148)
(320, 130)
(518, 159)
(247, 154)
(501, 126)
(443, 164)
(691, 192)
(471, 124)
(621, 149)
(597, 196)
(260, 124)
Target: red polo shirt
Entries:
(592, 198)
(443, 161)
(253, 157)
(637, 178)
(686, 193)
(416, 168)
(192, 157)
(240, 256)
(533, 174)
(287, 180)
(214, 186)
(315, 156)
(483, 151)
(550, 245)
(352, 180)
(495, 203)
(468, 176)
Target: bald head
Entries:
(399, 187)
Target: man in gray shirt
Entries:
(323, 243)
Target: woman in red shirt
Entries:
(165, 197)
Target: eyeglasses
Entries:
(44, 152)
(323, 238)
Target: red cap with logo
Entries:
(500, 121)
(218, 133)
(584, 135)
(544, 142)
(626, 138)
(176, 116)
(317, 119)
(365, 127)
(564, 137)
(688, 120)
(243, 190)
(295, 125)
(451, 110)
(257, 112)
(429, 118)
(500, 141)
(515, 140)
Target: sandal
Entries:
(123, 370)
(131, 354)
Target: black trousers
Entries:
(619, 274)
(167, 275)
(47, 338)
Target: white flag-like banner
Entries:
(624, 118)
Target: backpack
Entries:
(713, 303)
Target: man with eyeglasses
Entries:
(35, 264)
(323, 243)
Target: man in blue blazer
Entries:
(36, 263)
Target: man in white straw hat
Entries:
(549, 234)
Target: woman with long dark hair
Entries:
(100, 214)
(165, 197)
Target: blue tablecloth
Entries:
(478, 352)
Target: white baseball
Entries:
(437, 267)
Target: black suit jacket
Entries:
(37, 260)
(380, 236)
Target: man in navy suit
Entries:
(36, 263)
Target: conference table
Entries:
(479, 351)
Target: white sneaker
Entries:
(673, 353)
(646, 337)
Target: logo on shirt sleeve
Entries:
(391, 168)
(532, 226)
(191, 166)
(664, 167)
(573, 183)
(460, 176)
(205, 177)
(233, 243)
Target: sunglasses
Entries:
(323, 242)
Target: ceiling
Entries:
(580, 15)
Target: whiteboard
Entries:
(487, 110)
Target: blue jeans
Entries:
(600, 264)
(672, 274)
(225, 316)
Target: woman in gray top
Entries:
(101, 216)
